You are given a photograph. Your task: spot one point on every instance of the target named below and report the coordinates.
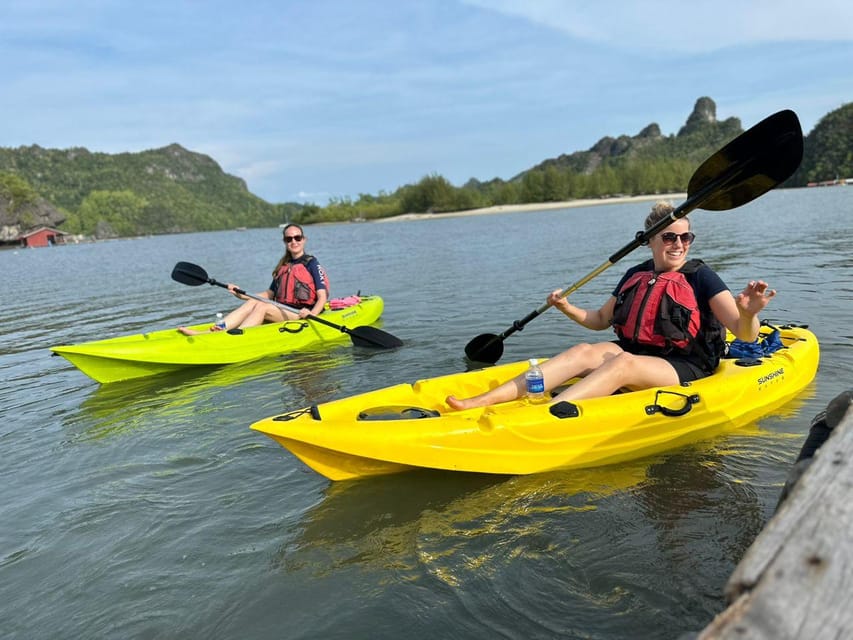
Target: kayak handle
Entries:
(689, 401)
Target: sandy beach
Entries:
(675, 198)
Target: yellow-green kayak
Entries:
(409, 426)
(147, 354)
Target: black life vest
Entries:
(296, 284)
(659, 313)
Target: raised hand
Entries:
(754, 297)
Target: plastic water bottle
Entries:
(535, 382)
(220, 322)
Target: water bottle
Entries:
(219, 325)
(535, 382)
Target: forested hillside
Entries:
(173, 190)
(164, 190)
(828, 149)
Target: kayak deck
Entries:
(157, 352)
(409, 426)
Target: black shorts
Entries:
(686, 368)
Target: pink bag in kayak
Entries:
(343, 303)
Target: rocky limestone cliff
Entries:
(703, 117)
(704, 113)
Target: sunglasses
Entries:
(686, 238)
(293, 238)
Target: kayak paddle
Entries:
(193, 275)
(747, 167)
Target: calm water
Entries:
(150, 510)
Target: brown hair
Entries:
(286, 257)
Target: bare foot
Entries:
(455, 403)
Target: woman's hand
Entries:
(556, 299)
(754, 297)
(233, 289)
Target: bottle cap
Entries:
(533, 362)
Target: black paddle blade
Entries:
(486, 347)
(189, 273)
(751, 164)
(373, 338)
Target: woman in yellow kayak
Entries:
(669, 316)
(299, 281)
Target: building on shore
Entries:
(41, 237)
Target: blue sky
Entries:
(317, 99)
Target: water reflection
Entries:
(688, 498)
(516, 552)
(179, 396)
(393, 521)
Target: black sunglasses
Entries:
(686, 238)
(293, 238)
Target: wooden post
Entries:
(796, 580)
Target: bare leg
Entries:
(580, 360)
(192, 332)
(254, 312)
(277, 314)
(249, 314)
(623, 370)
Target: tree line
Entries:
(435, 194)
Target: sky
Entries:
(318, 99)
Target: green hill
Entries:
(828, 149)
(164, 190)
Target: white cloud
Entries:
(675, 25)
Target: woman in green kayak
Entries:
(669, 315)
(299, 281)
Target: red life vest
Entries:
(660, 310)
(296, 284)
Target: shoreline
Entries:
(537, 206)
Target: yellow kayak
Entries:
(408, 426)
(147, 354)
